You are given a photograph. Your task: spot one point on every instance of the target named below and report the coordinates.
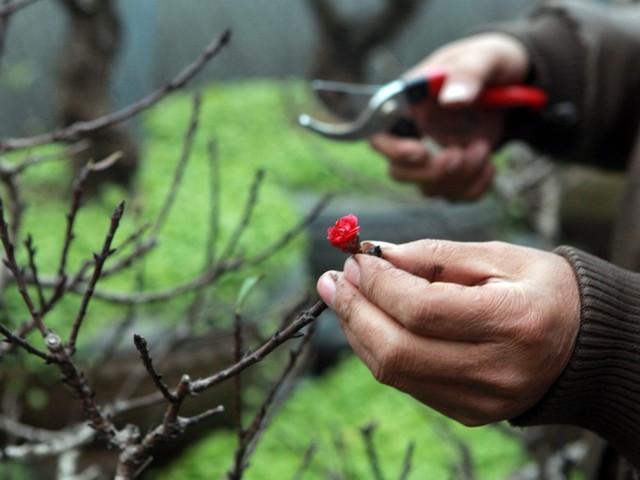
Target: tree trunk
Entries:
(345, 44)
(83, 81)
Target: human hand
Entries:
(461, 169)
(477, 331)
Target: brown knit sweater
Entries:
(588, 58)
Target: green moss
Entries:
(329, 414)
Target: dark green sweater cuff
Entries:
(600, 388)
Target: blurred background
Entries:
(276, 39)
(73, 60)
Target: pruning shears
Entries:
(388, 108)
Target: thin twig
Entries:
(20, 333)
(187, 422)
(62, 441)
(82, 128)
(214, 202)
(238, 347)
(306, 462)
(372, 454)
(407, 462)
(22, 343)
(75, 378)
(248, 437)
(141, 344)
(187, 146)
(97, 270)
(303, 319)
(76, 202)
(31, 252)
(249, 208)
(11, 263)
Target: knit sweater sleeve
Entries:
(600, 388)
(586, 57)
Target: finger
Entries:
(440, 310)
(432, 170)
(389, 350)
(480, 183)
(464, 263)
(468, 382)
(399, 150)
(474, 175)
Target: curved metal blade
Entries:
(381, 111)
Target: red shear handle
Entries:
(501, 96)
(513, 96)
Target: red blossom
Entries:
(344, 234)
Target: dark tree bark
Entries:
(83, 80)
(345, 44)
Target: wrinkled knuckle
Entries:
(510, 385)
(346, 306)
(376, 283)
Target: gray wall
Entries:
(271, 38)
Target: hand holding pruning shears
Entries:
(457, 98)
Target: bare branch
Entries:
(406, 463)
(22, 343)
(372, 455)
(234, 239)
(287, 333)
(248, 437)
(76, 202)
(12, 265)
(303, 319)
(31, 251)
(214, 202)
(73, 377)
(187, 146)
(59, 442)
(306, 462)
(141, 344)
(79, 129)
(134, 458)
(97, 270)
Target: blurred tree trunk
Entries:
(345, 43)
(83, 85)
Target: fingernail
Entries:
(375, 247)
(326, 287)
(352, 271)
(458, 92)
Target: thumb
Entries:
(460, 90)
